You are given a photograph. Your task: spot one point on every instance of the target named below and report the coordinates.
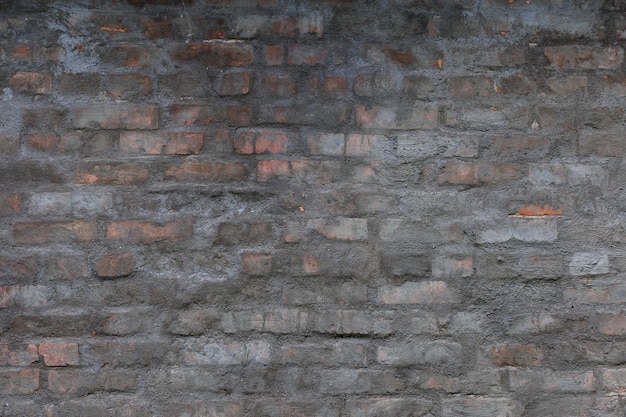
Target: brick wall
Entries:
(322, 208)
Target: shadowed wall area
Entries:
(312, 208)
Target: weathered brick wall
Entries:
(312, 208)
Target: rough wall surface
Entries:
(312, 208)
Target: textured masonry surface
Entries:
(312, 208)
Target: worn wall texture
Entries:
(323, 208)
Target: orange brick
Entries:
(117, 265)
(54, 232)
(31, 83)
(149, 232)
(123, 174)
(59, 354)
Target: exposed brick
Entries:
(256, 264)
(31, 83)
(59, 354)
(413, 353)
(331, 144)
(299, 54)
(148, 232)
(521, 380)
(105, 174)
(603, 143)
(20, 357)
(364, 145)
(216, 53)
(207, 171)
(117, 265)
(116, 117)
(340, 353)
(377, 117)
(19, 382)
(347, 229)
(274, 54)
(317, 172)
(613, 323)
(469, 173)
(479, 86)
(128, 55)
(517, 355)
(194, 114)
(244, 233)
(567, 86)
(234, 84)
(34, 233)
(584, 57)
(161, 143)
(127, 86)
(10, 203)
(279, 86)
(87, 84)
(262, 141)
(19, 268)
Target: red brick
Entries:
(45, 142)
(10, 203)
(567, 86)
(362, 145)
(124, 174)
(127, 86)
(517, 355)
(162, 143)
(8, 294)
(478, 86)
(584, 57)
(158, 28)
(516, 84)
(603, 142)
(67, 382)
(262, 141)
(207, 171)
(378, 117)
(54, 232)
(193, 114)
(279, 86)
(216, 53)
(234, 84)
(149, 232)
(274, 55)
(59, 354)
(335, 87)
(31, 83)
(258, 264)
(18, 357)
(271, 169)
(613, 323)
(305, 55)
(129, 55)
(79, 84)
(19, 268)
(468, 173)
(117, 265)
(19, 382)
(238, 233)
(123, 116)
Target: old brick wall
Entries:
(314, 208)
